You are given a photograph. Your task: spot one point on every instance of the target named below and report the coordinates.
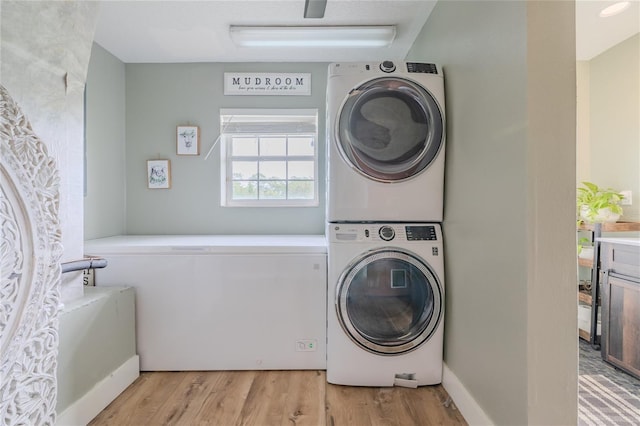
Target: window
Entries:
(269, 157)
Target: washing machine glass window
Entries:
(389, 301)
(390, 129)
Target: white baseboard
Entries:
(467, 405)
(93, 402)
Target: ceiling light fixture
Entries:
(614, 9)
(282, 36)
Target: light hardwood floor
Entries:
(265, 398)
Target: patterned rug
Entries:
(602, 402)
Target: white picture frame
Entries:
(187, 140)
(158, 174)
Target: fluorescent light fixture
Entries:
(282, 36)
(314, 8)
(614, 9)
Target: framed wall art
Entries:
(158, 174)
(188, 140)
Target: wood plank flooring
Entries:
(265, 398)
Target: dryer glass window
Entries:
(389, 302)
(390, 129)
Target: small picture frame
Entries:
(188, 140)
(159, 174)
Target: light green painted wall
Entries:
(615, 121)
(510, 158)
(161, 96)
(97, 335)
(104, 203)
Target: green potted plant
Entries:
(585, 249)
(597, 205)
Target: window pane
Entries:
(301, 146)
(301, 190)
(244, 170)
(301, 170)
(273, 146)
(270, 157)
(242, 146)
(273, 170)
(245, 190)
(273, 190)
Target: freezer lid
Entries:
(206, 244)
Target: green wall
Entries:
(161, 96)
(132, 112)
(509, 228)
(97, 335)
(104, 202)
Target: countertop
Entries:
(629, 241)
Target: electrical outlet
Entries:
(626, 197)
(307, 345)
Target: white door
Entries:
(389, 301)
(390, 129)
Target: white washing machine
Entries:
(386, 131)
(385, 305)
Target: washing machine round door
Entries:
(389, 301)
(390, 129)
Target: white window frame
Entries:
(229, 129)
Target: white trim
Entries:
(467, 405)
(102, 394)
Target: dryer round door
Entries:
(389, 301)
(390, 129)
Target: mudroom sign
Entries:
(253, 84)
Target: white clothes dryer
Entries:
(386, 135)
(385, 305)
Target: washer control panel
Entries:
(387, 232)
(421, 233)
(422, 68)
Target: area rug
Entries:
(602, 402)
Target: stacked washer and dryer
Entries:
(386, 137)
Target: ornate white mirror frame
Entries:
(30, 252)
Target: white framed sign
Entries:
(255, 84)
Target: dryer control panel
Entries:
(383, 68)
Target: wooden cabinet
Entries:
(590, 298)
(620, 278)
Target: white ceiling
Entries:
(594, 34)
(197, 31)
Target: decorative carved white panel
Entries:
(30, 251)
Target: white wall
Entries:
(583, 127)
(45, 53)
(509, 227)
(104, 203)
(614, 120)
